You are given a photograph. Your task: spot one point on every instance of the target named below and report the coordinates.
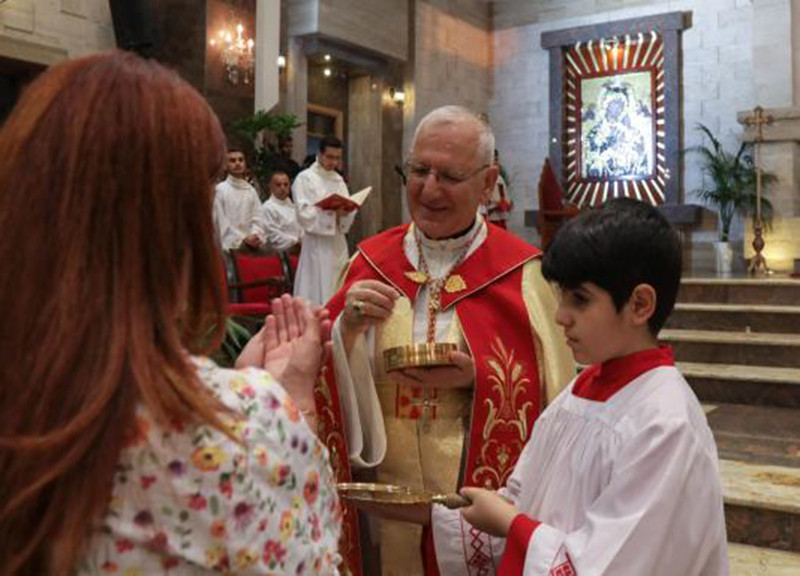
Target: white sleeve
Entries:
(227, 235)
(661, 514)
(345, 222)
(365, 429)
(312, 219)
(257, 223)
(458, 545)
(279, 236)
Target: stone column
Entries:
(297, 93)
(364, 150)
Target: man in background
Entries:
(282, 230)
(324, 255)
(237, 208)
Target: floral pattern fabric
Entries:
(190, 500)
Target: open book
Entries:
(338, 202)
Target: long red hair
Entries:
(110, 275)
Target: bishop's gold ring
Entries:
(358, 307)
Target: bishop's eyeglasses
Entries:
(417, 172)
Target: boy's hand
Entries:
(489, 512)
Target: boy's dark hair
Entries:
(236, 147)
(275, 173)
(621, 245)
(329, 142)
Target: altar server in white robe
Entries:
(282, 230)
(323, 255)
(237, 208)
(620, 476)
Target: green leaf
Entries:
(731, 182)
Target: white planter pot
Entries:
(724, 255)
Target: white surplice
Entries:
(623, 487)
(282, 229)
(323, 256)
(237, 212)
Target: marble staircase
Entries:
(737, 341)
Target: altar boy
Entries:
(620, 475)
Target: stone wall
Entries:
(452, 58)
(46, 31)
(379, 26)
(735, 55)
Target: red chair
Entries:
(258, 278)
(553, 212)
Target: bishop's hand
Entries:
(460, 375)
(367, 303)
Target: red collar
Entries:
(601, 382)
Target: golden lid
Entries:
(418, 356)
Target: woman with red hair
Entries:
(123, 449)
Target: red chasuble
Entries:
(508, 396)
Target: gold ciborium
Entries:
(427, 355)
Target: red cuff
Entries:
(519, 535)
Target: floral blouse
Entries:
(189, 500)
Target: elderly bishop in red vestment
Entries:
(449, 276)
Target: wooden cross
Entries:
(759, 120)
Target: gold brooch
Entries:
(418, 277)
(455, 283)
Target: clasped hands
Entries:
(371, 302)
(292, 346)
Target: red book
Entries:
(340, 202)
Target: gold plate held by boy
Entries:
(390, 495)
(418, 356)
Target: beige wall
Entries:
(378, 25)
(375, 25)
(452, 59)
(46, 31)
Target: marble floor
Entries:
(754, 561)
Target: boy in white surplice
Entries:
(282, 229)
(620, 476)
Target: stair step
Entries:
(741, 290)
(775, 488)
(750, 348)
(759, 451)
(735, 317)
(739, 384)
(762, 505)
(753, 561)
(760, 435)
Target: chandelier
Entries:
(236, 51)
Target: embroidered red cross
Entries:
(565, 569)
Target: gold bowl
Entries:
(418, 356)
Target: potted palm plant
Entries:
(264, 131)
(730, 187)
